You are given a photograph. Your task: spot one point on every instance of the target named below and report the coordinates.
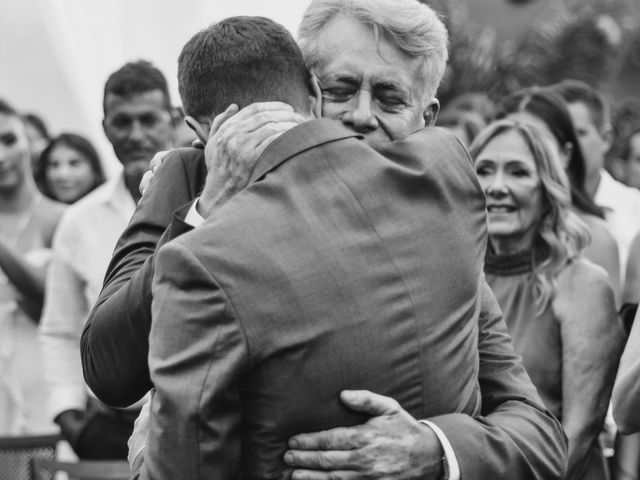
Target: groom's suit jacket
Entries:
(339, 267)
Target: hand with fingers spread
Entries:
(236, 140)
(392, 444)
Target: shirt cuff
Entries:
(449, 454)
(193, 218)
(63, 398)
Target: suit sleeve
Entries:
(114, 343)
(197, 356)
(514, 436)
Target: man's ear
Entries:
(177, 116)
(201, 129)
(607, 136)
(106, 130)
(430, 113)
(567, 151)
(316, 96)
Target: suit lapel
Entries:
(296, 140)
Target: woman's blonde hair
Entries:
(561, 235)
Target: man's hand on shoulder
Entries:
(154, 165)
(392, 444)
(237, 138)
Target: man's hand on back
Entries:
(392, 444)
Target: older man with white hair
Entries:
(377, 64)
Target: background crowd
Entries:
(558, 163)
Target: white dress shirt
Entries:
(82, 248)
(622, 213)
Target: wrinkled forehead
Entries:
(346, 44)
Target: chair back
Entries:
(82, 470)
(16, 454)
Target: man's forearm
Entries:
(115, 341)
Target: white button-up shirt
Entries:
(622, 213)
(82, 248)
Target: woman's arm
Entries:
(592, 340)
(626, 392)
(26, 278)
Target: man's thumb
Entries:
(369, 402)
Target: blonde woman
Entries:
(558, 306)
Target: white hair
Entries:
(414, 27)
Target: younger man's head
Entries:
(241, 60)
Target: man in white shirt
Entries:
(138, 123)
(591, 118)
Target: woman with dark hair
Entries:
(27, 223)
(71, 168)
(545, 109)
(559, 308)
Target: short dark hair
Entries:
(79, 144)
(241, 60)
(134, 78)
(574, 91)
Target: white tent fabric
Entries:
(57, 54)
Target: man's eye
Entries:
(391, 100)
(9, 139)
(121, 122)
(391, 103)
(149, 121)
(337, 94)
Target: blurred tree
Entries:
(586, 39)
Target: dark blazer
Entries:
(115, 339)
(338, 267)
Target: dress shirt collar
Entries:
(115, 194)
(299, 138)
(608, 191)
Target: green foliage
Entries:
(584, 39)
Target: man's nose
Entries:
(136, 132)
(360, 116)
(4, 154)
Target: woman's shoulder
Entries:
(581, 286)
(580, 273)
(600, 233)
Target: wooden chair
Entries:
(82, 470)
(16, 454)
